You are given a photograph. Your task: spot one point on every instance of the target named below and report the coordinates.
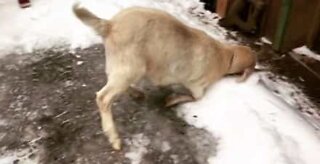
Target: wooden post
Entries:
(313, 41)
(222, 7)
(282, 25)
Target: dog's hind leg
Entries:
(117, 84)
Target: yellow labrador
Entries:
(143, 42)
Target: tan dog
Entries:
(142, 42)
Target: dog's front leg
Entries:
(176, 98)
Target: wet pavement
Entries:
(48, 114)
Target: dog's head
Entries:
(243, 57)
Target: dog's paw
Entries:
(116, 144)
(177, 99)
(240, 79)
(136, 94)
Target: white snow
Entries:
(47, 24)
(292, 95)
(79, 62)
(22, 156)
(254, 125)
(306, 51)
(165, 146)
(51, 23)
(138, 148)
(265, 40)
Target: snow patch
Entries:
(289, 93)
(47, 24)
(306, 51)
(51, 23)
(23, 156)
(138, 145)
(79, 62)
(292, 95)
(165, 146)
(265, 40)
(253, 125)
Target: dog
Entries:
(143, 42)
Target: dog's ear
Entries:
(243, 58)
(230, 61)
(235, 60)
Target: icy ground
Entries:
(304, 50)
(47, 100)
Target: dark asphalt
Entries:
(47, 103)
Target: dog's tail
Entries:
(101, 26)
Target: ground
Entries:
(301, 70)
(52, 99)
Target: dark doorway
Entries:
(209, 5)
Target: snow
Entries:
(51, 23)
(292, 95)
(265, 40)
(165, 146)
(253, 124)
(306, 51)
(47, 24)
(20, 157)
(138, 148)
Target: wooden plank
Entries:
(222, 6)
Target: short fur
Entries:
(143, 42)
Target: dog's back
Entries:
(172, 52)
